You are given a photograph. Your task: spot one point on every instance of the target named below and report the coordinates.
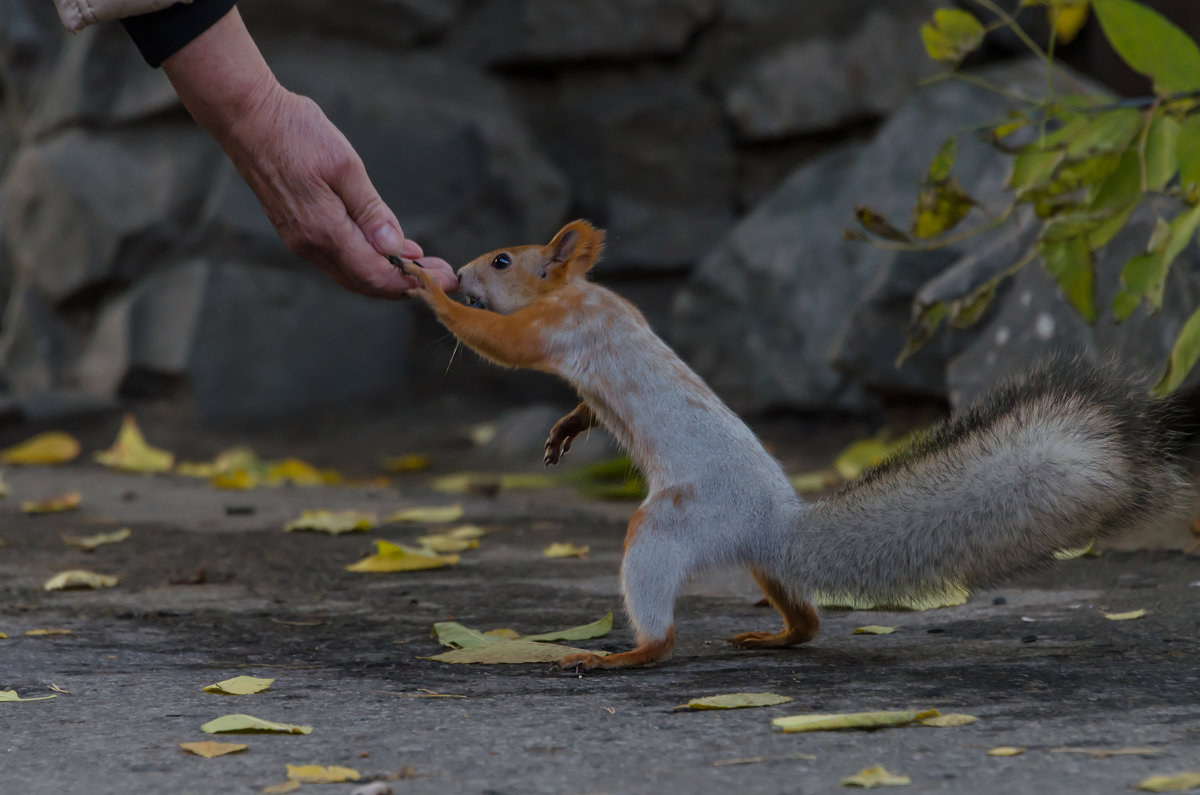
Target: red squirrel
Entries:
(1067, 455)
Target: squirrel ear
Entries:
(574, 250)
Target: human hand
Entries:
(306, 175)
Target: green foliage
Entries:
(1083, 164)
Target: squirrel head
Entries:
(509, 279)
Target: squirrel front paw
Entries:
(561, 436)
(425, 283)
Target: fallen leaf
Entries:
(236, 724)
(89, 543)
(465, 531)
(1089, 551)
(131, 453)
(319, 774)
(950, 719)
(412, 462)
(951, 595)
(445, 543)
(239, 686)
(11, 695)
(209, 749)
(510, 652)
(299, 473)
(332, 522)
(482, 433)
(433, 514)
(235, 480)
(3, 493)
(815, 481)
(740, 760)
(394, 557)
(1005, 750)
(63, 502)
(196, 469)
(58, 689)
(506, 634)
(866, 453)
(454, 635)
(1104, 753)
(79, 578)
(564, 550)
(52, 447)
(738, 701)
(870, 777)
(873, 629)
(38, 633)
(598, 628)
(1129, 616)
(3, 636)
(1180, 782)
(279, 789)
(851, 720)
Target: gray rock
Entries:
(440, 142)
(539, 31)
(648, 157)
(816, 82)
(36, 345)
(250, 342)
(762, 311)
(100, 80)
(30, 39)
(390, 23)
(84, 208)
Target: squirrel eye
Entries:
(501, 262)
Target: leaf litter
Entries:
(89, 543)
(210, 749)
(390, 557)
(241, 724)
(332, 522)
(878, 776)
(76, 579)
(472, 646)
(239, 686)
(131, 453)
(59, 504)
(51, 447)
(737, 701)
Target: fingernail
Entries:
(412, 250)
(388, 240)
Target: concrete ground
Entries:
(212, 588)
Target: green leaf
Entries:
(1145, 276)
(939, 169)
(239, 686)
(1162, 152)
(738, 701)
(596, 629)
(966, 311)
(1033, 167)
(238, 724)
(454, 635)
(940, 208)
(1183, 357)
(509, 652)
(877, 225)
(921, 330)
(1187, 151)
(1075, 174)
(951, 34)
(1111, 131)
(1151, 44)
(11, 695)
(1070, 263)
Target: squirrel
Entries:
(1068, 454)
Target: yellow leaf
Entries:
(239, 686)
(871, 777)
(52, 447)
(1067, 21)
(851, 720)
(433, 514)
(63, 502)
(1005, 750)
(280, 789)
(394, 557)
(89, 543)
(332, 522)
(412, 462)
(131, 453)
(444, 543)
(3, 493)
(598, 628)
(1104, 753)
(864, 454)
(563, 550)
(950, 596)
(293, 470)
(319, 774)
(209, 749)
(11, 695)
(509, 652)
(465, 531)
(196, 469)
(1181, 782)
(873, 629)
(506, 634)
(79, 578)
(1132, 614)
(951, 719)
(815, 481)
(35, 633)
(3, 636)
(1089, 551)
(235, 480)
(236, 724)
(738, 701)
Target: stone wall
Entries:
(720, 141)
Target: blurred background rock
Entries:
(722, 143)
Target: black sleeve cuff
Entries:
(161, 34)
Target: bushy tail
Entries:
(1069, 454)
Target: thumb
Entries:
(371, 215)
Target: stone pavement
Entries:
(205, 595)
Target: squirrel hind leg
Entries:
(800, 621)
(647, 652)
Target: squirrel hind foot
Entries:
(646, 653)
(770, 640)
